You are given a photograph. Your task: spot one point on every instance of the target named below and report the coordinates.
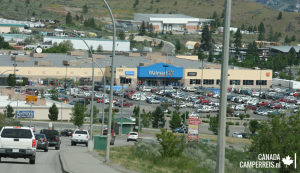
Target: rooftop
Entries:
(164, 15)
(285, 49)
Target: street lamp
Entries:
(111, 84)
(165, 66)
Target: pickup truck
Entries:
(80, 137)
(53, 138)
(17, 142)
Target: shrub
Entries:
(237, 123)
(171, 145)
(245, 124)
(148, 149)
(229, 123)
(193, 151)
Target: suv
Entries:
(53, 138)
(80, 137)
(17, 142)
(132, 136)
(42, 142)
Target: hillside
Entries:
(243, 11)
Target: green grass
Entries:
(243, 11)
(204, 160)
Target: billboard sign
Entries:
(193, 130)
(25, 114)
(160, 70)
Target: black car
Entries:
(66, 132)
(53, 138)
(42, 142)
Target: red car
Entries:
(127, 104)
(251, 107)
(100, 101)
(276, 106)
(262, 104)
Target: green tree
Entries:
(261, 31)
(253, 126)
(286, 39)
(210, 57)
(78, 114)
(11, 80)
(271, 34)
(53, 113)
(14, 30)
(90, 22)
(142, 30)
(54, 94)
(99, 48)
(146, 119)
(85, 9)
(175, 120)
(177, 46)
(171, 145)
(213, 124)
(95, 112)
(69, 19)
(242, 116)
(136, 3)
(279, 134)
(9, 111)
(3, 44)
(158, 119)
(237, 43)
(206, 39)
(279, 16)
(122, 35)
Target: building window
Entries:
(248, 82)
(208, 82)
(195, 81)
(218, 81)
(124, 80)
(235, 82)
(261, 82)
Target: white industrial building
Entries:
(172, 22)
(121, 45)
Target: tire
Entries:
(46, 149)
(72, 143)
(0, 160)
(87, 144)
(32, 160)
(127, 140)
(57, 147)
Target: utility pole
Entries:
(31, 107)
(224, 80)
(139, 130)
(61, 115)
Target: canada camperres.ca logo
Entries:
(270, 161)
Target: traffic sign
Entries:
(25, 114)
(28, 98)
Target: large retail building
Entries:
(132, 69)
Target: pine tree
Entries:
(158, 120)
(78, 114)
(237, 42)
(279, 16)
(11, 80)
(175, 121)
(122, 35)
(85, 9)
(9, 111)
(210, 57)
(69, 19)
(142, 30)
(271, 34)
(53, 113)
(177, 46)
(261, 30)
(206, 39)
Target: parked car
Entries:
(42, 142)
(80, 137)
(180, 130)
(66, 132)
(17, 142)
(53, 138)
(132, 136)
(237, 135)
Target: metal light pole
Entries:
(139, 130)
(202, 75)
(165, 66)
(122, 109)
(224, 80)
(61, 115)
(260, 85)
(111, 85)
(31, 107)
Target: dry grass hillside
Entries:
(243, 11)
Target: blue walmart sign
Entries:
(160, 70)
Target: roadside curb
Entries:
(63, 165)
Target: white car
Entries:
(237, 135)
(18, 142)
(132, 136)
(193, 114)
(80, 137)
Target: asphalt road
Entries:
(46, 162)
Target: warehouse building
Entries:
(121, 45)
(133, 71)
(172, 22)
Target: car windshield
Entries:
(81, 132)
(49, 132)
(133, 133)
(16, 133)
(38, 136)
